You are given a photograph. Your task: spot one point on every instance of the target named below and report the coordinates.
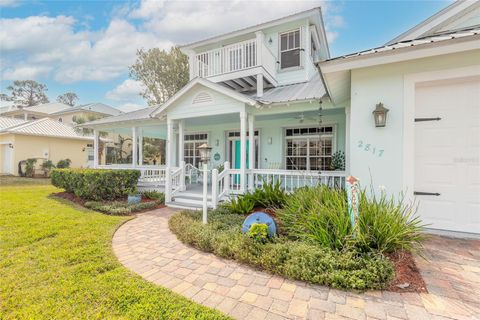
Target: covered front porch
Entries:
(248, 148)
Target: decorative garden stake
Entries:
(351, 185)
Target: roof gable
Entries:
(459, 15)
(46, 127)
(200, 82)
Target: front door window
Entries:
(190, 147)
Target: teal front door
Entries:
(238, 153)
(236, 162)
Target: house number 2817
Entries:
(368, 147)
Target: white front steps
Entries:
(189, 200)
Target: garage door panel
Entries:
(447, 154)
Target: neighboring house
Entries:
(62, 112)
(258, 99)
(43, 139)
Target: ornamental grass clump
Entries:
(317, 215)
(386, 225)
(320, 215)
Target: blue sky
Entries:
(87, 46)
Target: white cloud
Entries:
(51, 43)
(24, 72)
(128, 90)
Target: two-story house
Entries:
(273, 106)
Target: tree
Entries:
(162, 73)
(69, 98)
(27, 93)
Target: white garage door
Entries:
(447, 154)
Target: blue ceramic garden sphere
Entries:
(260, 217)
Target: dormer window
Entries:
(290, 49)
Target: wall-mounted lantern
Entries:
(380, 115)
(205, 152)
(270, 41)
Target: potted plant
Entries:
(134, 197)
(47, 166)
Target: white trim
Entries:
(401, 54)
(213, 86)
(410, 81)
(436, 21)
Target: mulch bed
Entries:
(407, 275)
(73, 198)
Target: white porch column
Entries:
(251, 150)
(260, 42)
(243, 150)
(181, 156)
(134, 147)
(181, 136)
(347, 140)
(25, 116)
(95, 148)
(168, 161)
(140, 147)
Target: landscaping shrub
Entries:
(120, 208)
(270, 195)
(387, 225)
(63, 164)
(258, 232)
(320, 215)
(243, 204)
(47, 166)
(292, 259)
(317, 215)
(30, 167)
(96, 184)
(155, 195)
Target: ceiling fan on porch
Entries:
(301, 118)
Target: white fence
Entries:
(227, 182)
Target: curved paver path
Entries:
(146, 246)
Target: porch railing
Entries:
(235, 57)
(227, 182)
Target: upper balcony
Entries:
(237, 65)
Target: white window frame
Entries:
(185, 141)
(299, 48)
(308, 137)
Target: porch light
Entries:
(380, 115)
(205, 152)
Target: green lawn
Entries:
(56, 262)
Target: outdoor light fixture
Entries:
(380, 115)
(205, 152)
(10, 145)
(270, 41)
(269, 140)
(217, 143)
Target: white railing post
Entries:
(251, 150)
(182, 176)
(205, 193)
(226, 184)
(168, 186)
(214, 188)
(134, 147)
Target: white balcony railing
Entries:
(235, 57)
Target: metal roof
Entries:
(308, 90)
(141, 114)
(6, 122)
(416, 42)
(46, 108)
(46, 127)
(93, 107)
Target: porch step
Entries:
(192, 201)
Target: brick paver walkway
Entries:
(146, 246)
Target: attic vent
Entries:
(202, 97)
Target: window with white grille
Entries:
(309, 148)
(190, 147)
(290, 49)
